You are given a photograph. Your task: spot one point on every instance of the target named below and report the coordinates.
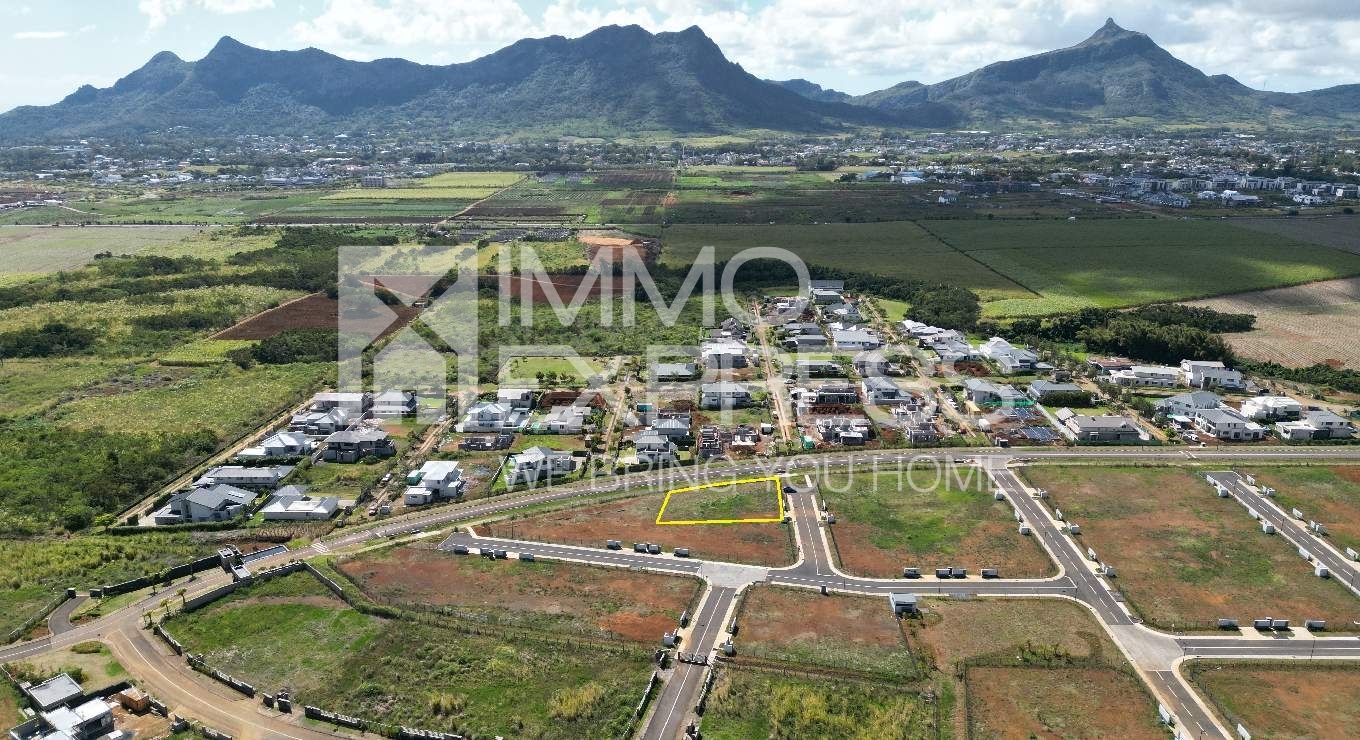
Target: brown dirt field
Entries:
(1184, 556)
(315, 311)
(634, 520)
(565, 286)
(1285, 701)
(1060, 703)
(953, 630)
(781, 616)
(634, 606)
(1298, 326)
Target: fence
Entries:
(641, 707)
(178, 571)
(378, 728)
(196, 662)
(32, 621)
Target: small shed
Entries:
(903, 604)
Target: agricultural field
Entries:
(1328, 495)
(1023, 702)
(723, 503)
(748, 703)
(185, 206)
(1298, 326)
(882, 526)
(203, 352)
(531, 201)
(315, 311)
(117, 317)
(32, 250)
(1273, 701)
(899, 249)
(29, 385)
(1337, 232)
(1185, 557)
(226, 399)
(562, 598)
(1113, 263)
(634, 520)
(411, 673)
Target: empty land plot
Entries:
(882, 526)
(1283, 701)
(1327, 495)
(32, 384)
(634, 520)
(403, 672)
(1113, 263)
(315, 311)
(31, 250)
(1337, 232)
(804, 627)
(952, 631)
(747, 703)
(896, 249)
(1184, 556)
(543, 595)
(723, 502)
(1030, 702)
(1298, 326)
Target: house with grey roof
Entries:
(280, 444)
(663, 372)
(854, 339)
(880, 390)
(671, 428)
(536, 464)
(56, 691)
(493, 417)
(1227, 424)
(654, 449)
(389, 404)
(291, 503)
(216, 503)
(1316, 424)
(320, 423)
(356, 444)
(724, 395)
(1188, 404)
(1083, 428)
(253, 478)
(433, 481)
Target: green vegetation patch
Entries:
(749, 704)
(45, 249)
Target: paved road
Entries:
(1341, 568)
(59, 620)
(674, 707)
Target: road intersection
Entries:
(1155, 655)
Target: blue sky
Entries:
(51, 47)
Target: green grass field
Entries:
(1114, 263)
(438, 678)
(30, 385)
(748, 704)
(43, 249)
(225, 399)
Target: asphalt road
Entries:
(673, 708)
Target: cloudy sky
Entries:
(50, 47)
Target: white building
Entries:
(1147, 376)
(723, 395)
(1224, 423)
(566, 419)
(494, 417)
(1210, 374)
(433, 481)
(292, 503)
(1274, 408)
(537, 463)
(515, 398)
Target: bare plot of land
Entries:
(1327, 495)
(882, 526)
(634, 520)
(804, 627)
(1284, 701)
(1298, 326)
(1043, 702)
(630, 605)
(1185, 557)
(723, 503)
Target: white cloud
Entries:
(157, 12)
(39, 35)
(870, 44)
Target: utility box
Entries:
(911, 572)
(1227, 624)
(1091, 554)
(1073, 528)
(1267, 527)
(941, 572)
(990, 573)
(1322, 572)
(1315, 625)
(1297, 514)
(1279, 624)
(613, 545)
(1057, 514)
(1024, 529)
(1108, 571)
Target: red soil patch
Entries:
(634, 520)
(315, 311)
(564, 287)
(1059, 703)
(635, 606)
(779, 616)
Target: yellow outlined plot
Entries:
(779, 496)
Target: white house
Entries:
(564, 420)
(854, 339)
(1210, 374)
(671, 428)
(1008, 358)
(281, 444)
(1189, 404)
(724, 354)
(537, 463)
(1316, 425)
(494, 417)
(1147, 376)
(1224, 423)
(433, 481)
(323, 422)
(515, 398)
(723, 395)
(394, 403)
(1274, 408)
(291, 503)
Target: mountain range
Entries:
(626, 81)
